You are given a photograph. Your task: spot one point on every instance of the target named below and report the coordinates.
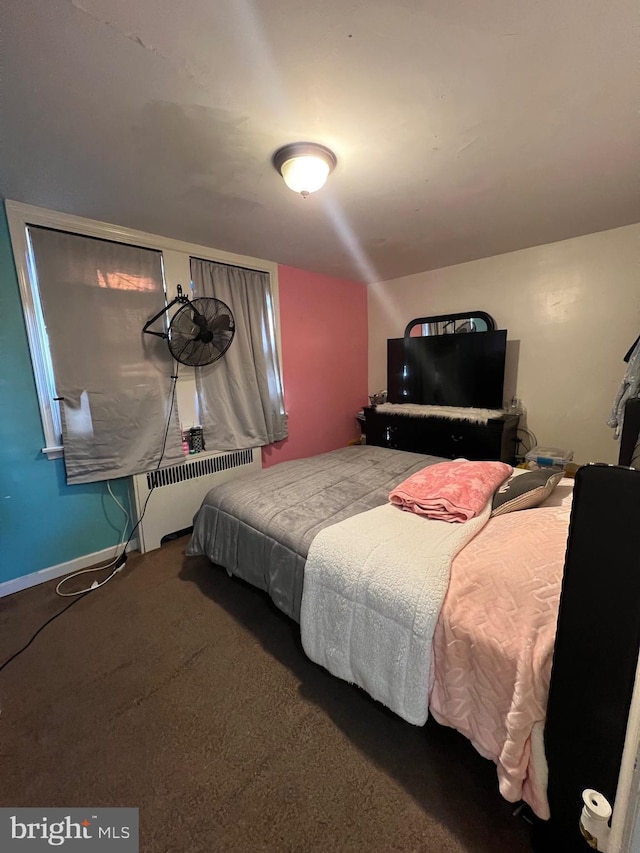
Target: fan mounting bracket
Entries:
(179, 298)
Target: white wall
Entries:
(572, 309)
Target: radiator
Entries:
(177, 491)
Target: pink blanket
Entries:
(451, 491)
(493, 643)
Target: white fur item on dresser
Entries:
(454, 413)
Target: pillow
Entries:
(525, 491)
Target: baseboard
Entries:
(53, 572)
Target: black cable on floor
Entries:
(122, 559)
(41, 628)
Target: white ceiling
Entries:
(463, 128)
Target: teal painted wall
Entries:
(43, 522)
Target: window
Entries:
(92, 295)
(66, 267)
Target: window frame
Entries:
(175, 260)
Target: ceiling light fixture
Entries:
(305, 166)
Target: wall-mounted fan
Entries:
(200, 332)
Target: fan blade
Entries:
(182, 354)
(198, 318)
(221, 341)
(212, 353)
(223, 322)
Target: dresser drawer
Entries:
(448, 439)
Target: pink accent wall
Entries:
(324, 328)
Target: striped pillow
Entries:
(524, 491)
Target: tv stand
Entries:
(444, 437)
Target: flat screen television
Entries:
(448, 370)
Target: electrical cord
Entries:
(522, 444)
(123, 555)
(95, 584)
(118, 562)
(530, 434)
(41, 628)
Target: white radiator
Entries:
(177, 491)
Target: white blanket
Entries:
(372, 592)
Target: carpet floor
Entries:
(186, 693)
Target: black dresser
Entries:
(449, 439)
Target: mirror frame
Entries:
(442, 318)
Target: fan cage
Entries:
(201, 331)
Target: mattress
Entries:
(260, 527)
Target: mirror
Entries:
(450, 324)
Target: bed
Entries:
(516, 679)
(260, 529)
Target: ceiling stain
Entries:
(136, 38)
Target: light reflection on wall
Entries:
(557, 305)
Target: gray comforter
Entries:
(260, 527)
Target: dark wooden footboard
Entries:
(596, 649)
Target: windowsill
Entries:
(53, 452)
(58, 453)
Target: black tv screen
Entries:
(448, 370)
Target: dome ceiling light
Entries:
(305, 166)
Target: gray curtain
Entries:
(115, 382)
(240, 396)
(629, 388)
